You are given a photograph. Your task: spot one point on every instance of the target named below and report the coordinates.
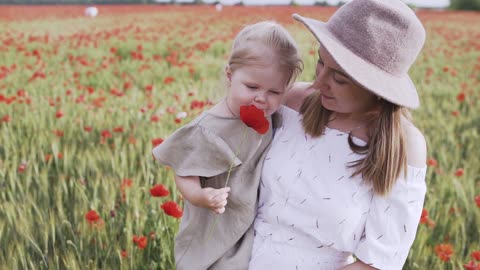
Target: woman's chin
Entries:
(328, 103)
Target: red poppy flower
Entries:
(21, 93)
(149, 88)
(126, 183)
(58, 132)
(461, 97)
(477, 200)
(92, 216)
(444, 252)
(432, 162)
(170, 109)
(141, 241)
(471, 266)
(476, 255)
(172, 209)
(59, 114)
(196, 104)
(254, 118)
(118, 129)
(22, 167)
(127, 85)
(124, 254)
(154, 118)
(168, 80)
(424, 217)
(159, 190)
(6, 118)
(157, 141)
(87, 128)
(459, 172)
(106, 134)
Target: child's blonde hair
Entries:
(275, 41)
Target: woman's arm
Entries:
(296, 94)
(210, 198)
(416, 146)
(358, 265)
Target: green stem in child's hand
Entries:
(228, 178)
(236, 154)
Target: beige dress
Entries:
(206, 147)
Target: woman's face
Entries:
(339, 93)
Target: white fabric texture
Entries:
(313, 215)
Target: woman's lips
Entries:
(327, 97)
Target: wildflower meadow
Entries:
(84, 99)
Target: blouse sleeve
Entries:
(392, 223)
(196, 151)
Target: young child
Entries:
(263, 63)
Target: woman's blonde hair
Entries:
(274, 40)
(385, 152)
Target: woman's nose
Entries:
(321, 80)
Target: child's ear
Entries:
(228, 73)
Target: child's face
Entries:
(263, 86)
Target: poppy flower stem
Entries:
(226, 181)
(236, 154)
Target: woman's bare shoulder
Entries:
(296, 94)
(416, 146)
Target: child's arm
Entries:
(210, 198)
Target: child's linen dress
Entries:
(206, 147)
(313, 215)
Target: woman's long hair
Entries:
(385, 152)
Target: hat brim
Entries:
(396, 89)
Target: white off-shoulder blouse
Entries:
(313, 215)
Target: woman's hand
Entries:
(296, 94)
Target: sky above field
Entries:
(418, 3)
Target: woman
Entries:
(346, 174)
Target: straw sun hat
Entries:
(375, 42)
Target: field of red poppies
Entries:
(83, 101)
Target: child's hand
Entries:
(213, 199)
